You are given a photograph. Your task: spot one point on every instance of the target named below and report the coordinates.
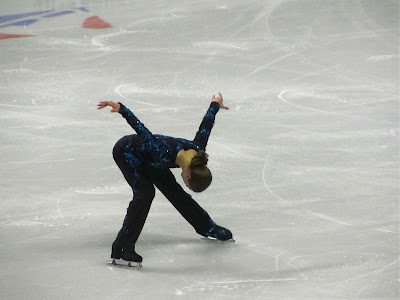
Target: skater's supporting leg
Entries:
(143, 194)
(138, 211)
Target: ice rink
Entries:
(305, 163)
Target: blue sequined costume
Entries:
(145, 160)
(160, 151)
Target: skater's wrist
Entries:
(121, 107)
(215, 104)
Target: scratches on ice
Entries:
(251, 280)
(325, 217)
(283, 201)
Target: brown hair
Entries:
(200, 175)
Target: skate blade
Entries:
(216, 240)
(125, 264)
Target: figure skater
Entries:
(144, 159)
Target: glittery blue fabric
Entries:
(218, 232)
(159, 151)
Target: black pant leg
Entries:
(143, 195)
(165, 181)
(138, 211)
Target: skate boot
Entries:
(116, 248)
(131, 256)
(219, 233)
(123, 252)
(128, 259)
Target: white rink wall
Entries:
(305, 162)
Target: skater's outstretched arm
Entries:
(159, 152)
(144, 134)
(207, 124)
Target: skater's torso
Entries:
(145, 149)
(161, 154)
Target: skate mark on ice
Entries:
(264, 229)
(280, 96)
(368, 17)
(56, 232)
(169, 253)
(368, 103)
(384, 230)
(58, 205)
(274, 6)
(325, 217)
(170, 13)
(351, 250)
(239, 153)
(289, 49)
(314, 72)
(248, 281)
(210, 57)
(272, 279)
(28, 107)
(20, 164)
(142, 21)
(209, 44)
(269, 64)
(36, 161)
(118, 88)
(288, 263)
(98, 41)
(277, 262)
(283, 201)
(385, 268)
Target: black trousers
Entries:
(142, 181)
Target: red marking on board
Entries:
(4, 36)
(95, 23)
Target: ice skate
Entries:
(218, 233)
(123, 257)
(127, 259)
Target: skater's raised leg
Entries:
(165, 181)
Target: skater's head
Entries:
(198, 177)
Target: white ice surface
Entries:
(305, 163)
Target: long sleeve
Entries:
(144, 134)
(160, 153)
(206, 125)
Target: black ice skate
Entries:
(218, 233)
(128, 259)
(121, 255)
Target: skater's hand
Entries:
(115, 106)
(220, 100)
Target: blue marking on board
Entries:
(65, 12)
(82, 9)
(21, 23)
(7, 18)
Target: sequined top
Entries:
(160, 151)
